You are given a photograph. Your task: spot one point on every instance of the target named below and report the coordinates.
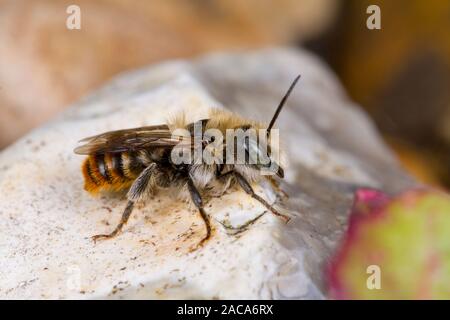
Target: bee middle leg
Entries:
(245, 185)
(139, 189)
(198, 202)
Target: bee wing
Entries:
(132, 140)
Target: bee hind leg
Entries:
(138, 191)
(125, 216)
(245, 185)
(198, 202)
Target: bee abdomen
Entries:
(110, 172)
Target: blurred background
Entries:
(399, 74)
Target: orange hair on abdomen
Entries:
(106, 173)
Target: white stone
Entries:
(47, 219)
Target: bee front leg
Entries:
(249, 190)
(198, 202)
(139, 189)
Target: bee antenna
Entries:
(281, 105)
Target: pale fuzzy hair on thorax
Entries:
(222, 119)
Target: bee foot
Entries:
(195, 248)
(101, 237)
(286, 219)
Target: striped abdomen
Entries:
(110, 172)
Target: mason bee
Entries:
(144, 161)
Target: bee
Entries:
(141, 162)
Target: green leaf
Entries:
(395, 248)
